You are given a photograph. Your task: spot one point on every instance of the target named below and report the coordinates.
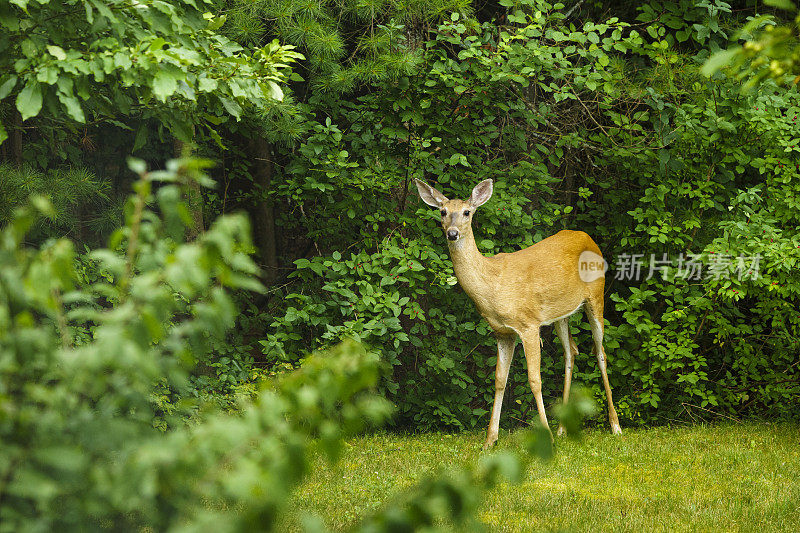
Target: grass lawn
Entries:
(742, 477)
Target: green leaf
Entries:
(7, 86)
(137, 165)
(718, 60)
(182, 130)
(539, 443)
(274, 91)
(703, 32)
(502, 466)
(3, 134)
(47, 74)
(215, 23)
(29, 100)
(73, 106)
(517, 17)
(232, 107)
(140, 139)
(207, 85)
(165, 84)
(104, 10)
(781, 4)
(57, 52)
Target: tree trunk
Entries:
(263, 215)
(195, 196)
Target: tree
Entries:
(157, 65)
(164, 58)
(349, 48)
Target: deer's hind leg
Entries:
(594, 312)
(570, 351)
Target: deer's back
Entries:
(538, 284)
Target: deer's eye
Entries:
(443, 212)
(466, 213)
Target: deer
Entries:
(518, 293)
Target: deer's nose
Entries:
(452, 234)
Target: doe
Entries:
(519, 292)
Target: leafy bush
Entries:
(607, 128)
(80, 445)
(168, 55)
(86, 442)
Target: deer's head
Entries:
(456, 214)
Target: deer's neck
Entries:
(471, 267)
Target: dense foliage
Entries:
(87, 369)
(609, 128)
(143, 56)
(770, 50)
(133, 392)
(586, 117)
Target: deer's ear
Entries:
(429, 195)
(481, 193)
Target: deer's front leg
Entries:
(505, 352)
(533, 357)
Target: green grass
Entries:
(703, 478)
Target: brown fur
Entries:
(519, 292)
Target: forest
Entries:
(216, 270)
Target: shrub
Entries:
(87, 442)
(82, 440)
(606, 128)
